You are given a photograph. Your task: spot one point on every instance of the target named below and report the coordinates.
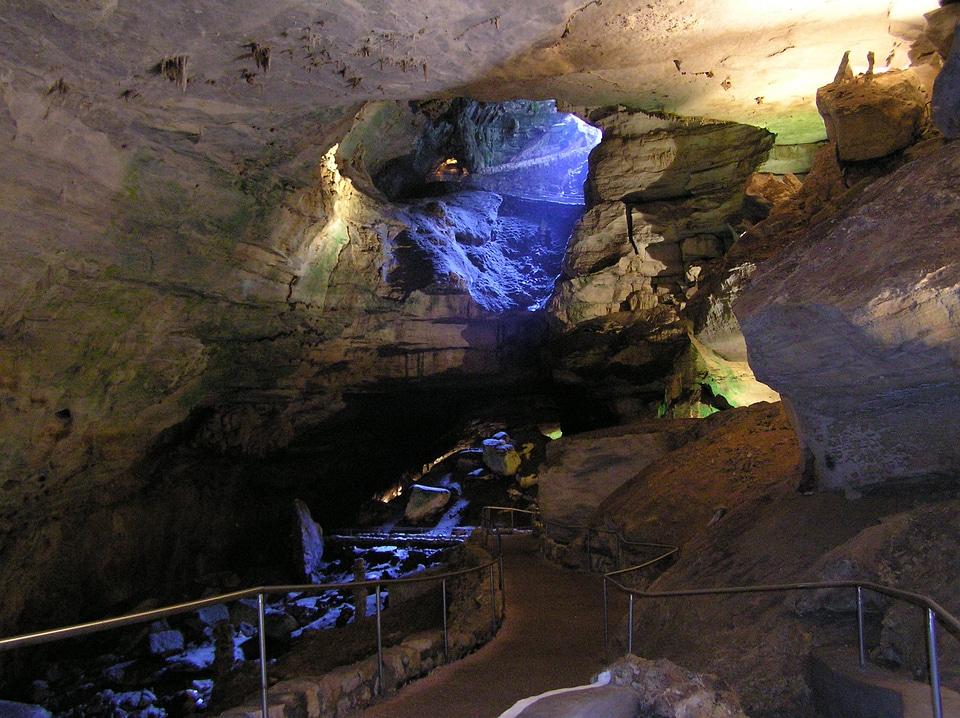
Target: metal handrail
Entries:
(933, 611)
(82, 629)
(487, 520)
(538, 521)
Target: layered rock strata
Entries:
(665, 193)
(854, 325)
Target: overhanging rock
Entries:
(856, 326)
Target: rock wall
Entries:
(171, 320)
(666, 196)
(582, 470)
(662, 192)
(854, 324)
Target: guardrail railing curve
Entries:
(933, 610)
(537, 523)
(74, 631)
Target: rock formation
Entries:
(872, 115)
(666, 192)
(854, 326)
(211, 303)
(582, 470)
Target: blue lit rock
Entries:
(11, 709)
(311, 539)
(425, 502)
(165, 643)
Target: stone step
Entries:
(842, 689)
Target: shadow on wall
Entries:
(864, 410)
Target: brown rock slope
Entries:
(747, 463)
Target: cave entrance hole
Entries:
(492, 194)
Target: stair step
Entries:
(842, 689)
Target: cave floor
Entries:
(552, 637)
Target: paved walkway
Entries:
(552, 637)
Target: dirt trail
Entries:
(552, 638)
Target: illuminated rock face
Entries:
(872, 116)
(682, 181)
(855, 325)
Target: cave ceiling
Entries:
(283, 67)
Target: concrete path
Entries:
(552, 638)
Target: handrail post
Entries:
(503, 593)
(934, 664)
(446, 645)
(863, 651)
(589, 557)
(630, 628)
(261, 625)
(493, 603)
(606, 624)
(379, 642)
(500, 567)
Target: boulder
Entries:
(500, 455)
(887, 554)
(765, 191)
(854, 325)
(10, 709)
(677, 158)
(212, 615)
(425, 501)
(581, 470)
(662, 191)
(311, 539)
(668, 691)
(166, 643)
(871, 116)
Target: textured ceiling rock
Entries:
(856, 326)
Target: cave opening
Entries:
(504, 181)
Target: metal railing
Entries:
(932, 608)
(496, 564)
(486, 518)
(538, 524)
